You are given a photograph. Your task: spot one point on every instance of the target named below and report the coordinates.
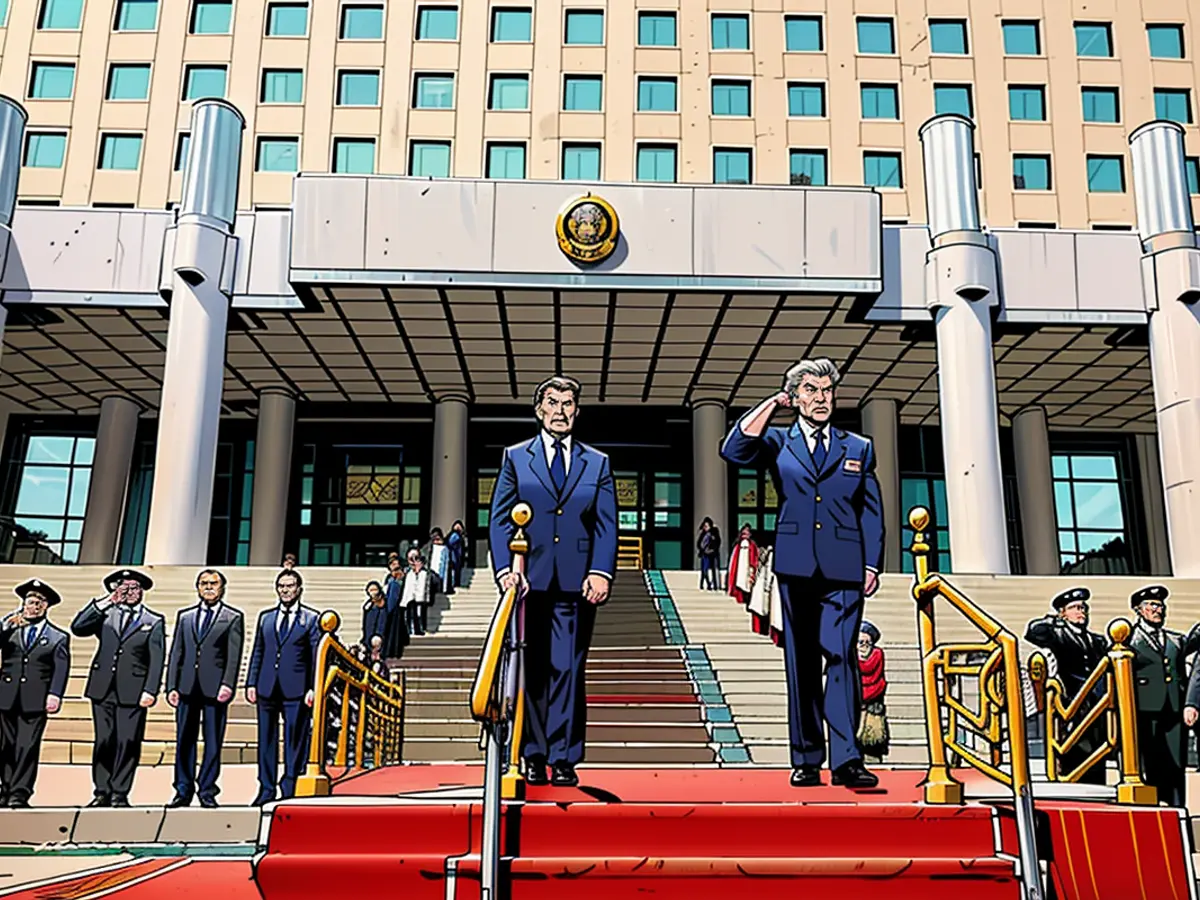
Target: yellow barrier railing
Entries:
(1117, 705)
(358, 717)
(631, 552)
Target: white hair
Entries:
(817, 368)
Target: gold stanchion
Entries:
(314, 782)
(1132, 789)
(512, 783)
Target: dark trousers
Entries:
(1162, 744)
(820, 630)
(119, 732)
(297, 725)
(709, 571)
(417, 617)
(558, 632)
(191, 713)
(20, 747)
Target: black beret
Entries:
(32, 585)
(1154, 592)
(1074, 595)
(111, 582)
(870, 631)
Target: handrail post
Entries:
(1131, 790)
(1022, 784)
(315, 782)
(1045, 695)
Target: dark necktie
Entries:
(284, 624)
(558, 468)
(126, 615)
(207, 622)
(818, 453)
(30, 635)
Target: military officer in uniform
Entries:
(1077, 651)
(1160, 686)
(35, 662)
(124, 680)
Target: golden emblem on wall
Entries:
(587, 229)
(366, 486)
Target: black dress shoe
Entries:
(260, 800)
(564, 775)
(18, 803)
(100, 800)
(854, 775)
(535, 773)
(806, 776)
(120, 803)
(178, 801)
(208, 802)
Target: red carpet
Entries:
(150, 879)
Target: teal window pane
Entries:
(656, 164)
(730, 98)
(882, 170)
(181, 151)
(512, 26)
(430, 159)
(45, 151)
(204, 81)
(731, 32)
(128, 82)
(506, 161)
(1022, 39)
(437, 23)
(1098, 505)
(434, 92)
(52, 81)
(287, 20)
(1061, 466)
(1174, 105)
(583, 93)
(61, 14)
(657, 95)
(1101, 105)
(1105, 174)
(731, 166)
(806, 100)
(1166, 41)
(953, 98)
(354, 156)
(362, 23)
(581, 162)
(1096, 467)
(880, 101)
(3, 12)
(584, 26)
(1027, 104)
(283, 86)
(656, 29)
(509, 92)
(875, 36)
(802, 34)
(358, 89)
(1191, 168)
(77, 499)
(1031, 173)
(948, 36)
(278, 155)
(85, 451)
(212, 16)
(410, 517)
(121, 152)
(808, 167)
(134, 15)
(1093, 39)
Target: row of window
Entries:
(656, 28)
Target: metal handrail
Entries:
(1000, 718)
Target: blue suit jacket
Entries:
(831, 521)
(570, 536)
(290, 664)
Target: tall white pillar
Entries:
(116, 439)
(12, 143)
(272, 476)
(881, 423)
(200, 254)
(1035, 491)
(960, 291)
(710, 474)
(449, 499)
(1171, 281)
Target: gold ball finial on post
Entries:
(330, 621)
(1119, 631)
(918, 521)
(522, 514)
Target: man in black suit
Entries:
(202, 672)
(1077, 651)
(35, 662)
(124, 681)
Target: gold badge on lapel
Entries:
(853, 465)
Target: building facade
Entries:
(308, 315)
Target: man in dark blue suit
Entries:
(828, 550)
(572, 556)
(280, 682)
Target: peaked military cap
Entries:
(1154, 592)
(33, 585)
(1074, 595)
(870, 631)
(111, 582)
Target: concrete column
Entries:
(272, 476)
(1035, 491)
(710, 474)
(12, 144)
(1171, 281)
(881, 423)
(1153, 504)
(116, 439)
(960, 291)
(198, 269)
(449, 500)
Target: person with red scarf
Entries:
(743, 565)
(873, 734)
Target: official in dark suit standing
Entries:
(1077, 651)
(280, 683)
(124, 681)
(202, 674)
(828, 550)
(572, 556)
(35, 662)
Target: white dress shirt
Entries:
(415, 587)
(548, 440)
(809, 430)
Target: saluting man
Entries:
(124, 680)
(35, 662)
